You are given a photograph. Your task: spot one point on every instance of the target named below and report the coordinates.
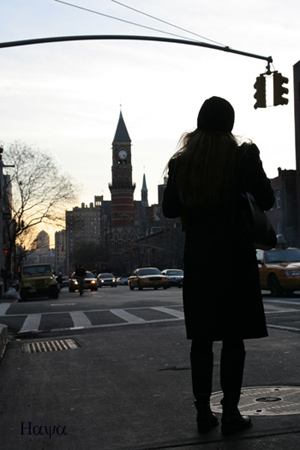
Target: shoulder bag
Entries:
(256, 228)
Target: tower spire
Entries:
(121, 134)
(144, 192)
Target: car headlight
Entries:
(75, 282)
(290, 273)
(93, 281)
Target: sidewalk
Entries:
(3, 328)
(129, 388)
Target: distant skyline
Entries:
(65, 97)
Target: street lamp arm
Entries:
(227, 49)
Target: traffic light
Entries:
(279, 90)
(260, 94)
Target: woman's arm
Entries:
(171, 205)
(256, 181)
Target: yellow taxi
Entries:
(147, 277)
(279, 270)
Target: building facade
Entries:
(60, 264)
(127, 232)
(283, 215)
(82, 234)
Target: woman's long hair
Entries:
(205, 168)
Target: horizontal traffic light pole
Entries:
(269, 59)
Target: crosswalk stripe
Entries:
(80, 319)
(269, 309)
(127, 316)
(3, 308)
(172, 312)
(31, 323)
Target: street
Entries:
(115, 307)
(111, 371)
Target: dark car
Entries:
(106, 279)
(147, 277)
(175, 277)
(90, 282)
(64, 282)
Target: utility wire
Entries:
(168, 23)
(116, 18)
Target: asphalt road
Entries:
(124, 383)
(115, 307)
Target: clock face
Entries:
(122, 154)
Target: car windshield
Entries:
(149, 272)
(278, 256)
(89, 275)
(36, 270)
(174, 272)
(106, 275)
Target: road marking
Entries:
(3, 308)
(269, 309)
(172, 312)
(31, 323)
(80, 319)
(279, 327)
(287, 302)
(130, 318)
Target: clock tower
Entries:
(122, 189)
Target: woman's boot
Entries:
(202, 370)
(232, 368)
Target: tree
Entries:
(35, 192)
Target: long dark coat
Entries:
(221, 291)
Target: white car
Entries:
(106, 279)
(175, 277)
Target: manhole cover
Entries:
(49, 346)
(264, 401)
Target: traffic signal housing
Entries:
(260, 94)
(279, 90)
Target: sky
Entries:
(65, 98)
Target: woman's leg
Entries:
(202, 370)
(232, 369)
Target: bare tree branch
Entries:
(40, 192)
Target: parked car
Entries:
(90, 282)
(175, 277)
(147, 277)
(106, 279)
(279, 270)
(37, 280)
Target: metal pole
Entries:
(227, 49)
(1, 217)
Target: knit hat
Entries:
(216, 114)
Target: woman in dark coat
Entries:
(221, 292)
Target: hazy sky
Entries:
(65, 97)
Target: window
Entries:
(277, 199)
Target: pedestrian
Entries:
(221, 291)
(59, 280)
